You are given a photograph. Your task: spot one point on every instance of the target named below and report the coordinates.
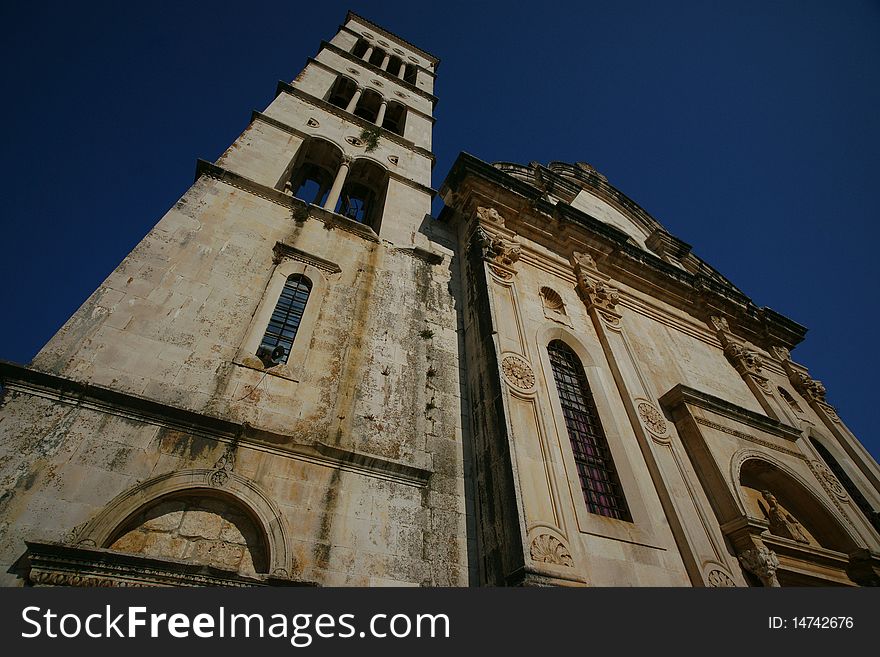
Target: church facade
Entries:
(301, 377)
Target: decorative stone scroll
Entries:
(810, 388)
(780, 353)
(828, 480)
(745, 360)
(761, 562)
(501, 251)
(518, 372)
(549, 549)
(490, 215)
(719, 579)
(223, 467)
(720, 324)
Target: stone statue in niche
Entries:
(782, 523)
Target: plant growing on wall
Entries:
(370, 137)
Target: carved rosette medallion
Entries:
(652, 418)
(719, 579)
(831, 483)
(549, 549)
(518, 372)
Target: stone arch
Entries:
(113, 520)
(760, 471)
(311, 172)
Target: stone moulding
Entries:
(330, 219)
(697, 291)
(682, 395)
(283, 251)
(55, 564)
(96, 398)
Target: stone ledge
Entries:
(58, 564)
(86, 395)
(681, 395)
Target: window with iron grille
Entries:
(598, 476)
(281, 332)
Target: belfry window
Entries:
(394, 65)
(342, 92)
(313, 171)
(377, 57)
(363, 193)
(395, 117)
(592, 456)
(360, 48)
(368, 105)
(848, 484)
(281, 332)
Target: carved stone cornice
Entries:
(285, 251)
(681, 395)
(56, 564)
(811, 389)
(701, 292)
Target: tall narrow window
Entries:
(281, 332)
(598, 476)
(853, 490)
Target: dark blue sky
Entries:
(750, 129)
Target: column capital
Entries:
(761, 562)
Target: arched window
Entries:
(598, 476)
(789, 399)
(853, 490)
(368, 105)
(377, 57)
(288, 313)
(394, 65)
(363, 194)
(360, 48)
(314, 170)
(342, 91)
(410, 74)
(395, 118)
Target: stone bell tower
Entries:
(266, 389)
